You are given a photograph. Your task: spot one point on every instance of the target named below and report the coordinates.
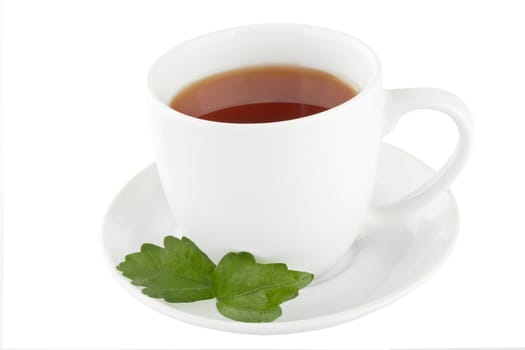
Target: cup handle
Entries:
(401, 101)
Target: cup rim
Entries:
(375, 76)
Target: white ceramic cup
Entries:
(295, 191)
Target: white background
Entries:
(76, 129)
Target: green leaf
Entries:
(251, 292)
(180, 272)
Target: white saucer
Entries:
(387, 261)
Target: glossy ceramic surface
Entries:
(391, 255)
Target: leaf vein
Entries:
(268, 286)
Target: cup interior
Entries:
(266, 44)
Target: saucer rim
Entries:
(285, 327)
